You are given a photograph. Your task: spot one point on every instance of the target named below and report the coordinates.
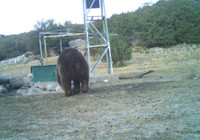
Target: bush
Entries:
(168, 22)
(27, 54)
(121, 49)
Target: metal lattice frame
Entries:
(58, 34)
(102, 36)
(90, 30)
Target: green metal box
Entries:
(44, 73)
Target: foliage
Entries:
(168, 22)
(121, 49)
(121, 24)
(120, 46)
(27, 54)
(14, 45)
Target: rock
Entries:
(194, 46)
(195, 78)
(21, 80)
(40, 85)
(17, 82)
(142, 50)
(21, 91)
(105, 81)
(58, 88)
(3, 89)
(156, 50)
(50, 87)
(26, 86)
(32, 84)
(30, 77)
(176, 48)
(30, 80)
(54, 51)
(27, 59)
(4, 80)
(77, 43)
(33, 89)
(19, 59)
(47, 86)
(91, 96)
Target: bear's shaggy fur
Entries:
(72, 66)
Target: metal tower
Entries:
(94, 10)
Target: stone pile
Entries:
(40, 87)
(78, 44)
(19, 59)
(180, 47)
(24, 84)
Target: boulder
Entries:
(78, 44)
(30, 79)
(21, 91)
(58, 88)
(50, 87)
(33, 89)
(47, 86)
(21, 80)
(4, 80)
(3, 89)
(17, 82)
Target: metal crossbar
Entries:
(102, 36)
(58, 34)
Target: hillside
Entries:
(164, 24)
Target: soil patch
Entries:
(156, 110)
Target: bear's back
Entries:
(73, 62)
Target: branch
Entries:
(135, 76)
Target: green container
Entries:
(44, 73)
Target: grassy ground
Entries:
(162, 105)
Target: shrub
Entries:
(168, 22)
(27, 54)
(121, 49)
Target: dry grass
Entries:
(140, 62)
(162, 105)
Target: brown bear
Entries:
(72, 66)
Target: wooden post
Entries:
(60, 45)
(45, 48)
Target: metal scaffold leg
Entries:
(92, 31)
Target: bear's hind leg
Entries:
(84, 87)
(66, 86)
(76, 88)
(58, 77)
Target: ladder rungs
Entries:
(99, 46)
(95, 18)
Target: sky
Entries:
(18, 16)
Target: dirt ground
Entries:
(161, 105)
